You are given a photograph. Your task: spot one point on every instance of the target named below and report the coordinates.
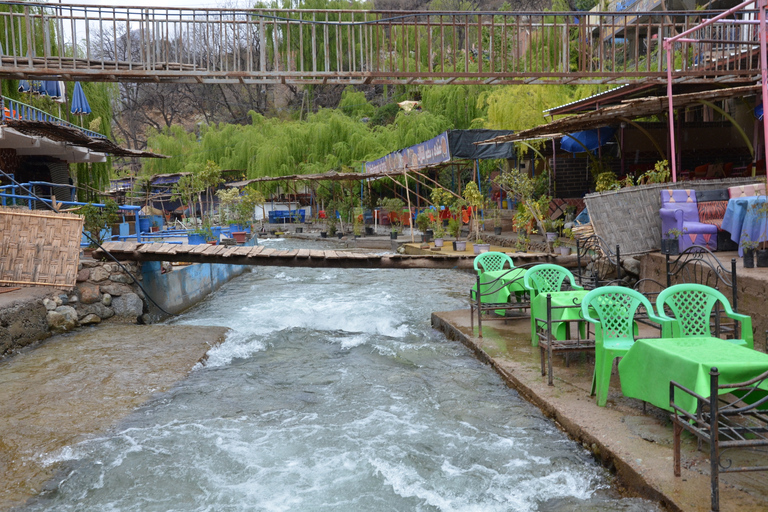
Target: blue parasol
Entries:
(52, 88)
(80, 104)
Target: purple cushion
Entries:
(684, 200)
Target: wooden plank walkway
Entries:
(264, 256)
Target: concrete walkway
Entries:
(637, 445)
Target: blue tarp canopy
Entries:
(759, 112)
(587, 140)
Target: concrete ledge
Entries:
(637, 446)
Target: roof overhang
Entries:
(629, 109)
(63, 142)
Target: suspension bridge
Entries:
(352, 47)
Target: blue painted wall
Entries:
(186, 286)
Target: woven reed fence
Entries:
(39, 248)
(630, 217)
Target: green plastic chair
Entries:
(546, 278)
(691, 306)
(492, 261)
(489, 262)
(615, 329)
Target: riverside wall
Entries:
(105, 292)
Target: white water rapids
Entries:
(332, 392)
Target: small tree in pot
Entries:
(97, 221)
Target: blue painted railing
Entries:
(15, 193)
(18, 111)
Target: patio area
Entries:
(630, 439)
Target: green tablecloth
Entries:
(501, 290)
(650, 365)
(560, 330)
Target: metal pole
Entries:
(671, 156)
(714, 446)
(764, 76)
(408, 196)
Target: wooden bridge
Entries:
(285, 46)
(263, 256)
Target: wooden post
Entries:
(408, 195)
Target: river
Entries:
(332, 392)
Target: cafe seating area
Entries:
(662, 339)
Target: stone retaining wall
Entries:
(104, 292)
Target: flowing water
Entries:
(332, 392)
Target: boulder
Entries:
(115, 289)
(88, 293)
(83, 275)
(50, 304)
(128, 306)
(68, 311)
(90, 319)
(99, 274)
(121, 278)
(106, 299)
(62, 319)
(632, 266)
(99, 309)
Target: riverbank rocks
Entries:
(104, 291)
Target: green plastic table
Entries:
(560, 330)
(650, 364)
(514, 277)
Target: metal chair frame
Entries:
(491, 288)
(725, 421)
(548, 345)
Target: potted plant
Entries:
(566, 250)
(423, 223)
(97, 220)
(392, 205)
(480, 246)
(454, 229)
(570, 213)
(493, 217)
(551, 228)
(521, 245)
(670, 242)
(750, 247)
(761, 252)
(475, 201)
(439, 234)
(199, 235)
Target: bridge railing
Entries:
(351, 46)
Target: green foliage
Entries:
(393, 204)
(457, 103)
(97, 219)
(422, 221)
(659, 174)
(354, 104)
(454, 228)
(385, 115)
(607, 180)
(531, 207)
(519, 107)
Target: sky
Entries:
(166, 3)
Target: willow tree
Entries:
(459, 104)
